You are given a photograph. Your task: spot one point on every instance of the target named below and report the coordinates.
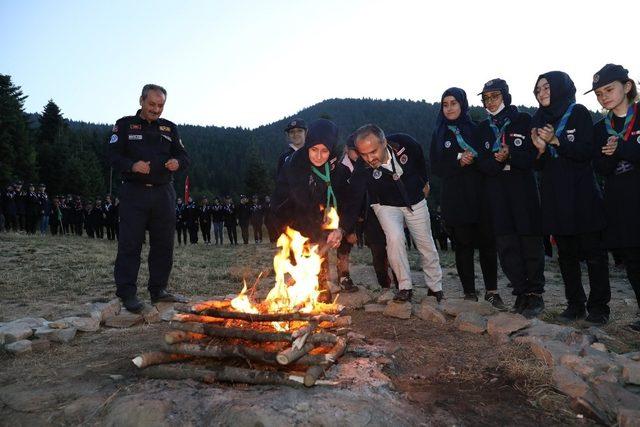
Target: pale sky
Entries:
(249, 63)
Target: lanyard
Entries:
(629, 121)
(326, 177)
(499, 134)
(461, 142)
(561, 126)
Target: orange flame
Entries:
(332, 221)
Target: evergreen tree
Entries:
(257, 178)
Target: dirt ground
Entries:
(442, 376)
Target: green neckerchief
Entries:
(326, 177)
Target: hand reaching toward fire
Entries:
(334, 238)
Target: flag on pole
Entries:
(186, 190)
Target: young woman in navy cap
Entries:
(453, 155)
(572, 209)
(311, 183)
(617, 139)
(506, 157)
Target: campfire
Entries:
(288, 338)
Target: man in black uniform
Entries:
(9, 206)
(146, 150)
(110, 217)
(230, 220)
(181, 224)
(32, 210)
(192, 215)
(296, 132)
(44, 209)
(217, 216)
(257, 214)
(205, 221)
(244, 218)
(21, 200)
(268, 219)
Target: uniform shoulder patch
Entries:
(114, 139)
(135, 127)
(165, 128)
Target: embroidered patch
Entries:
(571, 138)
(114, 129)
(114, 139)
(396, 177)
(377, 174)
(596, 78)
(401, 150)
(403, 159)
(517, 142)
(447, 144)
(165, 129)
(516, 135)
(168, 138)
(638, 139)
(487, 145)
(571, 131)
(135, 137)
(135, 127)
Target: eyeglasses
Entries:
(491, 98)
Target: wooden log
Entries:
(197, 307)
(186, 317)
(312, 375)
(157, 358)
(222, 351)
(337, 350)
(241, 333)
(291, 354)
(173, 337)
(222, 374)
(270, 317)
(304, 330)
(341, 321)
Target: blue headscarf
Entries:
(563, 94)
(463, 122)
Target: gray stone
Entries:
(420, 294)
(611, 398)
(631, 373)
(385, 297)
(104, 310)
(374, 308)
(598, 333)
(56, 335)
(83, 324)
(577, 364)
(599, 346)
(453, 307)
(629, 417)
(568, 382)
(58, 324)
(550, 352)
(19, 347)
(428, 312)
(167, 315)
(13, 332)
(506, 323)
(151, 315)
(609, 377)
(355, 299)
(543, 331)
(471, 322)
(635, 355)
(401, 310)
(125, 319)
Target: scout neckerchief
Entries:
(326, 177)
(395, 172)
(499, 134)
(461, 142)
(561, 126)
(629, 121)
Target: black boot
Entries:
(520, 304)
(439, 295)
(403, 295)
(572, 313)
(133, 304)
(534, 307)
(494, 299)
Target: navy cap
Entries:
(322, 131)
(495, 84)
(608, 74)
(296, 123)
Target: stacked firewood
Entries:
(219, 343)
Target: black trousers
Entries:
(257, 231)
(99, 231)
(193, 232)
(631, 259)
(205, 227)
(232, 232)
(273, 237)
(381, 265)
(244, 229)
(55, 226)
(111, 230)
(572, 250)
(145, 208)
(11, 222)
(548, 247)
(466, 238)
(342, 261)
(217, 232)
(22, 220)
(359, 230)
(522, 261)
(31, 223)
(181, 228)
(78, 228)
(91, 232)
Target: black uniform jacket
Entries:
(571, 198)
(621, 172)
(380, 187)
(300, 195)
(510, 187)
(462, 187)
(135, 139)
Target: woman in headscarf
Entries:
(572, 209)
(506, 157)
(453, 154)
(310, 185)
(617, 141)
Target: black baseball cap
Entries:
(494, 85)
(608, 74)
(296, 123)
